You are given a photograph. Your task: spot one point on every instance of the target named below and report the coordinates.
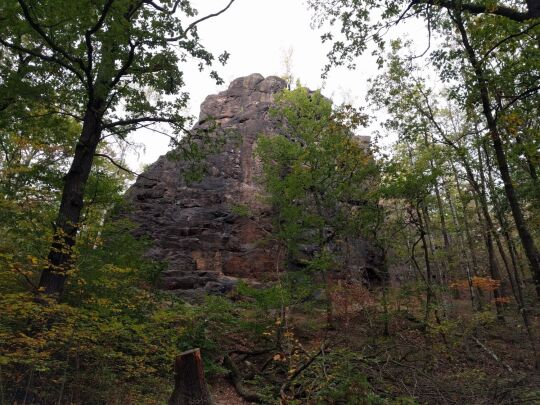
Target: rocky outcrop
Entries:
(213, 232)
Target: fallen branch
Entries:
(492, 354)
(236, 379)
(298, 372)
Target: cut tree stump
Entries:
(189, 383)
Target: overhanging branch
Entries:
(43, 57)
(139, 120)
(474, 8)
(110, 159)
(197, 22)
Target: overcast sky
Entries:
(257, 33)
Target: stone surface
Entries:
(214, 232)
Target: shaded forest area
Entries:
(451, 313)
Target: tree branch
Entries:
(473, 8)
(298, 372)
(43, 57)
(132, 121)
(101, 18)
(26, 278)
(49, 41)
(197, 22)
(200, 20)
(521, 96)
(122, 167)
(492, 354)
(122, 71)
(88, 39)
(163, 9)
(429, 34)
(502, 41)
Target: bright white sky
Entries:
(257, 34)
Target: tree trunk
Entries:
(437, 265)
(486, 186)
(525, 236)
(429, 275)
(516, 283)
(444, 230)
(53, 277)
(464, 260)
(492, 262)
(466, 224)
(484, 218)
(189, 383)
(442, 219)
(531, 168)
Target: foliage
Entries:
(112, 66)
(241, 210)
(439, 208)
(113, 339)
(335, 378)
(317, 174)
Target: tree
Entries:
(100, 58)
(415, 114)
(318, 176)
(486, 36)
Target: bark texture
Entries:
(189, 384)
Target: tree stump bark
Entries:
(189, 383)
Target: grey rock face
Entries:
(214, 232)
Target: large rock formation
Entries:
(213, 232)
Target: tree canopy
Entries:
(397, 244)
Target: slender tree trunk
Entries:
(516, 285)
(494, 233)
(429, 273)
(518, 260)
(447, 263)
(409, 246)
(470, 241)
(53, 277)
(466, 224)
(444, 229)
(530, 165)
(492, 262)
(427, 228)
(525, 236)
(464, 260)
(499, 215)
(484, 219)
(442, 219)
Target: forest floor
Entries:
(225, 394)
(463, 358)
